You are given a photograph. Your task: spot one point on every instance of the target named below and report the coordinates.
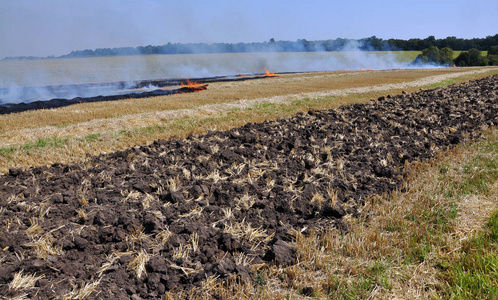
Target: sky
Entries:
(57, 27)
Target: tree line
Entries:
(458, 44)
(473, 57)
(301, 45)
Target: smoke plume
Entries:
(51, 27)
(26, 81)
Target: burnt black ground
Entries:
(112, 91)
(61, 102)
(213, 205)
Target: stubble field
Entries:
(254, 190)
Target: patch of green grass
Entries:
(150, 130)
(261, 106)
(482, 172)
(476, 175)
(301, 101)
(378, 271)
(491, 147)
(373, 276)
(429, 222)
(264, 105)
(445, 82)
(208, 120)
(6, 150)
(92, 137)
(475, 274)
(44, 142)
(362, 289)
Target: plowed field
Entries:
(167, 216)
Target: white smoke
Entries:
(43, 77)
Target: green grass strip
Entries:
(475, 274)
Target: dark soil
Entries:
(214, 205)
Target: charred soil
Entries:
(113, 91)
(169, 215)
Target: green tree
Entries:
(476, 58)
(493, 50)
(446, 56)
(493, 55)
(435, 56)
(462, 60)
(471, 58)
(432, 54)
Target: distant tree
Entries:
(433, 55)
(373, 43)
(415, 44)
(473, 57)
(446, 56)
(429, 41)
(430, 45)
(476, 58)
(493, 55)
(493, 50)
(421, 60)
(462, 60)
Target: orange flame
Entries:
(269, 74)
(191, 85)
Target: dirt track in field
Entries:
(167, 216)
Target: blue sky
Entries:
(56, 27)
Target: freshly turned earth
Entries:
(221, 203)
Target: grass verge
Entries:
(475, 274)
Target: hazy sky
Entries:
(56, 27)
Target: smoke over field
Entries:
(42, 75)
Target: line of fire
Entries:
(112, 91)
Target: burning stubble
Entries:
(26, 81)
